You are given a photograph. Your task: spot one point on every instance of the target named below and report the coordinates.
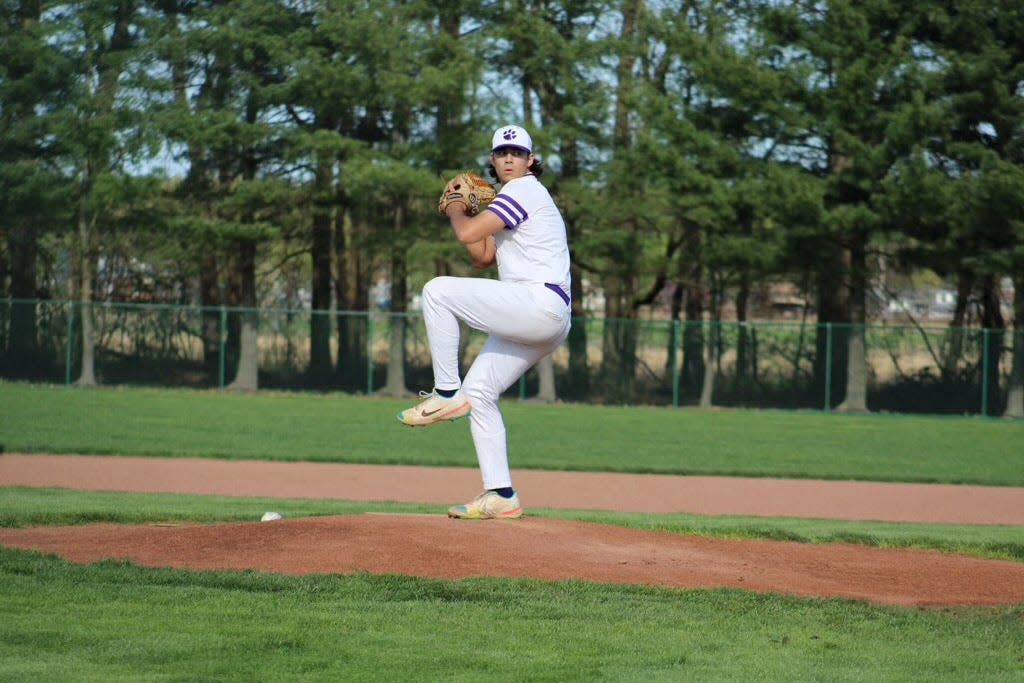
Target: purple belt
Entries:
(558, 290)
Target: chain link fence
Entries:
(783, 365)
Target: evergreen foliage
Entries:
(257, 153)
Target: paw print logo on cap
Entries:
(512, 136)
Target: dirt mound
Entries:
(434, 546)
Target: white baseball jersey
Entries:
(533, 246)
(524, 321)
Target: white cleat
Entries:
(488, 505)
(435, 408)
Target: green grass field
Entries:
(118, 622)
(113, 622)
(341, 428)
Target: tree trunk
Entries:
(87, 374)
(618, 349)
(692, 276)
(579, 367)
(618, 360)
(992, 320)
(955, 349)
(632, 11)
(107, 85)
(320, 253)
(831, 309)
(210, 298)
(856, 359)
(546, 375)
(450, 105)
(342, 294)
(1015, 390)
(247, 375)
(21, 353)
(395, 385)
(707, 389)
(742, 379)
(856, 373)
(671, 369)
(352, 295)
(399, 293)
(196, 184)
(714, 350)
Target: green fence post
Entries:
(222, 351)
(828, 367)
(984, 372)
(67, 346)
(676, 337)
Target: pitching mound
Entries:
(434, 546)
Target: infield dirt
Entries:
(434, 546)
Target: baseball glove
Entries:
(470, 189)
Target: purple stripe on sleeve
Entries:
(503, 215)
(509, 210)
(515, 205)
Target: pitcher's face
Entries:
(511, 162)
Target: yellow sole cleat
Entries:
(488, 505)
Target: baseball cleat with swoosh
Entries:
(488, 505)
(435, 408)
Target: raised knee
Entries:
(434, 289)
(478, 393)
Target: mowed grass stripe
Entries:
(575, 437)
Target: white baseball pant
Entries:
(524, 321)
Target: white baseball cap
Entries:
(512, 136)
